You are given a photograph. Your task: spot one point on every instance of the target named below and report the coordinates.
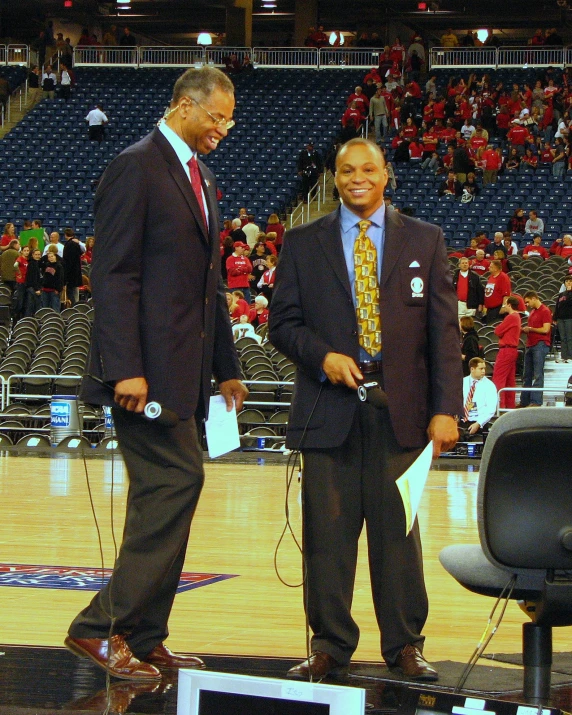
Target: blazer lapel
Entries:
(182, 180)
(330, 240)
(393, 243)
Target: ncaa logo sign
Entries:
(61, 414)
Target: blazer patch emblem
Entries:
(417, 287)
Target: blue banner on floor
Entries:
(71, 578)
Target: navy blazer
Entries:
(160, 305)
(313, 313)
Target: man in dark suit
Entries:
(161, 330)
(395, 324)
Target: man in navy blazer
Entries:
(354, 451)
(161, 331)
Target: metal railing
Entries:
(88, 56)
(300, 57)
(349, 58)
(170, 56)
(316, 195)
(555, 395)
(7, 383)
(18, 55)
(497, 57)
(218, 55)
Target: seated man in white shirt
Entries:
(55, 241)
(479, 399)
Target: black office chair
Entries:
(525, 527)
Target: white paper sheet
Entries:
(412, 483)
(221, 428)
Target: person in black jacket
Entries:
(52, 281)
(469, 289)
(451, 186)
(470, 347)
(33, 283)
(72, 265)
(563, 318)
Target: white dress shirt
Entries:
(484, 400)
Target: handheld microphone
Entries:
(153, 411)
(371, 392)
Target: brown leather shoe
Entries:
(413, 665)
(116, 698)
(319, 666)
(114, 656)
(162, 657)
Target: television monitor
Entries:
(211, 693)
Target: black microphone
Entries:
(371, 392)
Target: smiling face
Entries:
(193, 123)
(361, 178)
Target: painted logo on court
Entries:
(69, 578)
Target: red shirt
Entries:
(503, 120)
(415, 150)
(439, 110)
(477, 142)
(430, 141)
(353, 115)
(546, 157)
(492, 160)
(532, 250)
(409, 131)
(536, 319)
(480, 267)
(238, 269)
(495, 290)
(508, 331)
(517, 135)
(6, 239)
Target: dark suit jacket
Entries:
(160, 305)
(313, 314)
(476, 295)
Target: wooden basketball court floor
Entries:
(46, 520)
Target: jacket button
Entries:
(354, 332)
(206, 301)
(211, 267)
(202, 333)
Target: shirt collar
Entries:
(348, 219)
(181, 149)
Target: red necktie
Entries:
(197, 186)
(469, 400)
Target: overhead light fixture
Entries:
(204, 39)
(482, 35)
(334, 38)
(422, 6)
(68, 3)
(122, 3)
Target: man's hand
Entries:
(342, 370)
(444, 433)
(131, 394)
(234, 393)
(474, 428)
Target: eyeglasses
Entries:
(220, 122)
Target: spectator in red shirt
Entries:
(562, 246)
(239, 270)
(535, 248)
(274, 226)
(352, 116)
(496, 288)
(492, 162)
(503, 122)
(518, 136)
(529, 161)
(537, 347)
(9, 235)
(479, 264)
(546, 154)
(409, 130)
(504, 371)
(361, 101)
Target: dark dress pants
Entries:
(342, 488)
(166, 476)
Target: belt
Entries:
(508, 346)
(370, 366)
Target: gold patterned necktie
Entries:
(367, 291)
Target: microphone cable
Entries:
(486, 639)
(290, 470)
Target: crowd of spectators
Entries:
(41, 270)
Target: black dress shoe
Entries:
(318, 666)
(413, 665)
